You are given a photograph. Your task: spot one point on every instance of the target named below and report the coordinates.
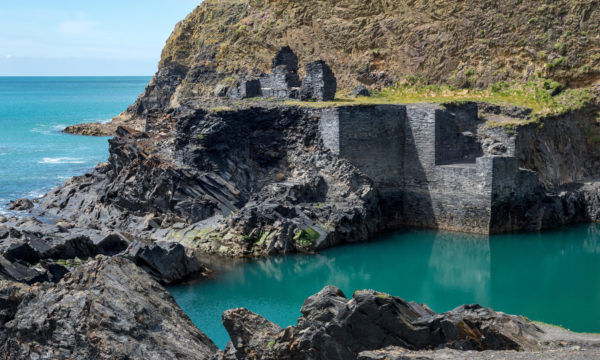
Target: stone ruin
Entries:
(283, 82)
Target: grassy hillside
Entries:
(473, 43)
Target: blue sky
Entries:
(69, 37)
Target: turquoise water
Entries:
(551, 277)
(34, 155)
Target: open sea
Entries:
(34, 155)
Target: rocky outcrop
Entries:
(108, 128)
(300, 179)
(334, 327)
(223, 184)
(31, 252)
(21, 204)
(107, 309)
(166, 262)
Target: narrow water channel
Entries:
(553, 276)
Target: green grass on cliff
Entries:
(535, 94)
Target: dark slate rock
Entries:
(18, 272)
(22, 251)
(166, 262)
(221, 90)
(112, 244)
(106, 309)
(360, 91)
(20, 204)
(55, 272)
(319, 83)
(248, 331)
(72, 247)
(333, 327)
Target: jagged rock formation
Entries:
(107, 309)
(374, 325)
(226, 185)
(167, 263)
(33, 252)
(109, 128)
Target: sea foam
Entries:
(62, 160)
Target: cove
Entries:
(550, 277)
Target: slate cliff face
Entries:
(379, 43)
(263, 178)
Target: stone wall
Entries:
(428, 166)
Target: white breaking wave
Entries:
(62, 160)
(48, 129)
(35, 194)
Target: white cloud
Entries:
(77, 27)
(8, 56)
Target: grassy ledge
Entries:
(543, 96)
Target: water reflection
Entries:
(460, 263)
(550, 276)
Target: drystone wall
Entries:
(428, 166)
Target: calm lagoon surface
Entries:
(34, 155)
(551, 276)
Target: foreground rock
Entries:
(334, 327)
(108, 309)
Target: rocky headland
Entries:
(240, 148)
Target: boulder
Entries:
(319, 83)
(112, 244)
(249, 333)
(360, 91)
(16, 271)
(333, 327)
(21, 250)
(107, 309)
(54, 270)
(20, 205)
(167, 262)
